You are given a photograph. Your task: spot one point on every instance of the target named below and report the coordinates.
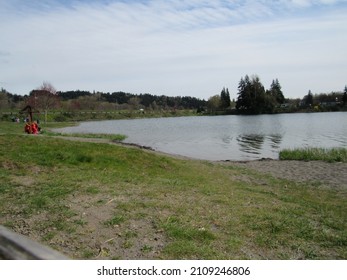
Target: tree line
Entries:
(252, 98)
(99, 101)
(145, 100)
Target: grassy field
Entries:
(102, 201)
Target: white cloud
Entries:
(173, 47)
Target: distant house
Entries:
(285, 105)
(303, 103)
(329, 104)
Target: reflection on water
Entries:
(276, 140)
(253, 143)
(228, 137)
(250, 143)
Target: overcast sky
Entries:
(173, 47)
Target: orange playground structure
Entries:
(31, 127)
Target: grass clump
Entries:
(176, 230)
(307, 154)
(115, 220)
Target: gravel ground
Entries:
(329, 174)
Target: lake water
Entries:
(228, 137)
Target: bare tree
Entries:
(134, 103)
(44, 98)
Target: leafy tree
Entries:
(134, 103)
(67, 95)
(214, 103)
(147, 99)
(162, 101)
(86, 102)
(153, 106)
(9, 101)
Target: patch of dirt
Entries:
(133, 238)
(25, 181)
(9, 165)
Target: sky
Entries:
(173, 47)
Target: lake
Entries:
(228, 137)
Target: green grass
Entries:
(307, 154)
(179, 231)
(115, 220)
(94, 199)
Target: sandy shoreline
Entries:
(325, 173)
(328, 174)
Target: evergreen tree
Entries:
(225, 99)
(251, 96)
(276, 91)
(4, 101)
(309, 99)
(344, 97)
(243, 101)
